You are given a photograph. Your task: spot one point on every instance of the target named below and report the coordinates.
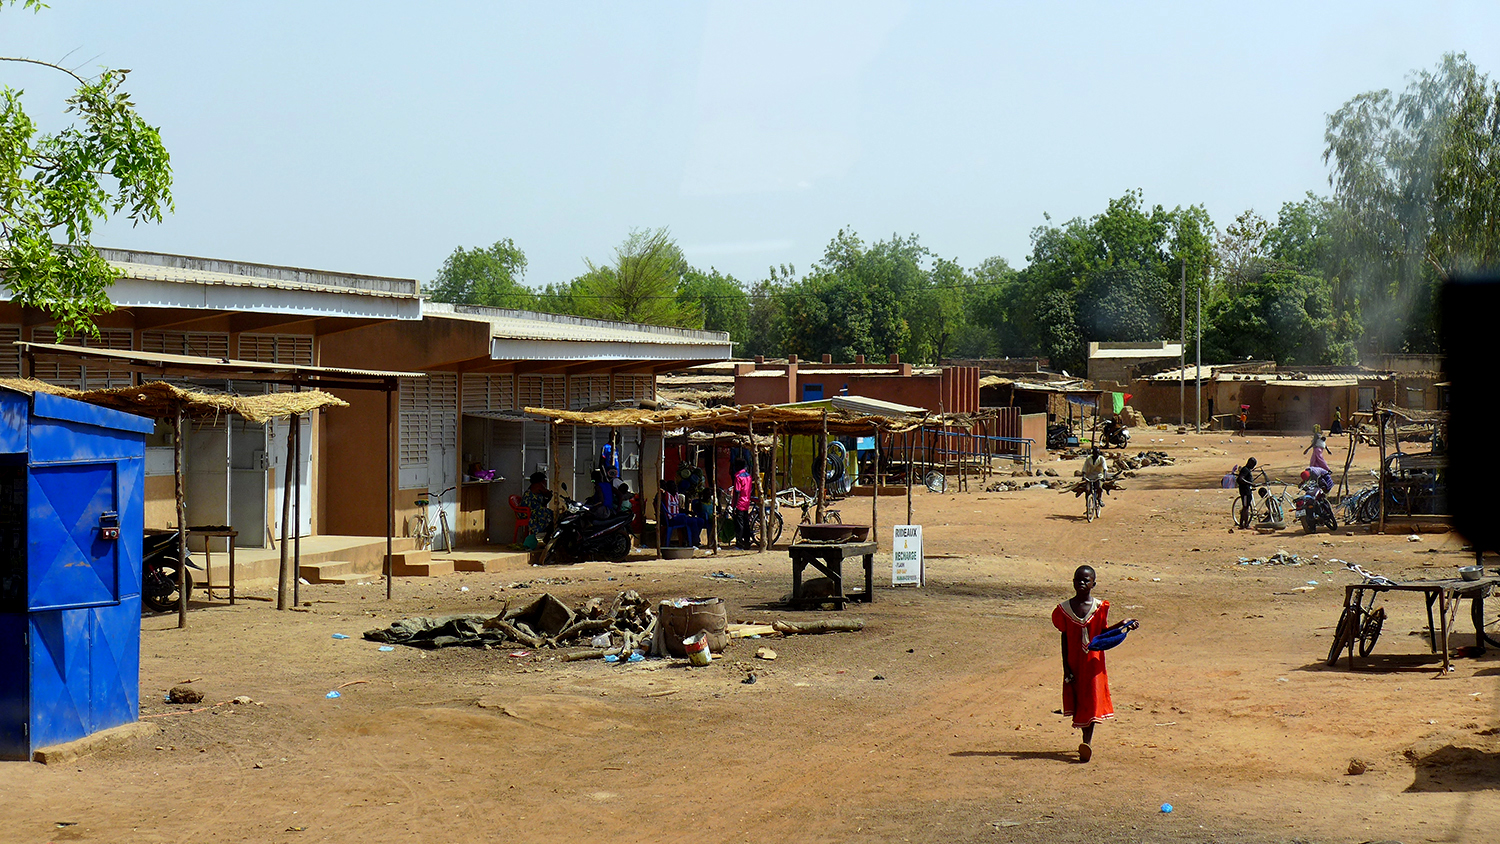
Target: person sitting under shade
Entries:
(676, 517)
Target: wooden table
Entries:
(828, 558)
(1445, 593)
(208, 569)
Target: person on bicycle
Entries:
(1095, 473)
(1244, 479)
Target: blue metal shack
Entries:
(71, 516)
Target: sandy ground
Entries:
(1225, 709)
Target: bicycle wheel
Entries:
(1370, 633)
(1276, 512)
(1091, 506)
(1237, 509)
(1348, 621)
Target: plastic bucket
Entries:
(697, 650)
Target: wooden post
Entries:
(1380, 420)
(713, 522)
(875, 492)
(911, 468)
(963, 459)
(296, 427)
(390, 493)
(822, 468)
(284, 578)
(182, 552)
(772, 487)
(661, 522)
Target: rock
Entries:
(879, 677)
(1357, 767)
(184, 694)
(765, 653)
(242, 700)
(749, 679)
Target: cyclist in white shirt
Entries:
(1095, 471)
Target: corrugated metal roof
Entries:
(876, 407)
(530, 325)
(289, 279)
(1172, 350)
(227, 366)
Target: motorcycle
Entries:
(1313, 508)
(583, 534)
(1119, 437)
(159, 568)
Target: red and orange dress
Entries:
(1087, 697)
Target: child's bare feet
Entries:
(1085, 753)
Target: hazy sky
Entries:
(375, 137)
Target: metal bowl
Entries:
(670, 553)
(1471, 572)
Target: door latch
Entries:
(109, 525)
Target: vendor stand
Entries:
(1445, 594)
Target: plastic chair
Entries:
(523, 519)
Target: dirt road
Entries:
(936, 723)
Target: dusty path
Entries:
(1224, 707)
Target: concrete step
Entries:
(419, 564)
(352, 577)
(492, 562)
(327, 571)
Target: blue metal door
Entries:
(71, 560)
(812, 392)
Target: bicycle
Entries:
(424, 532)
(1271, 511)
(1360, 625)
(1091, 499)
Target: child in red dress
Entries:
(1085, 681)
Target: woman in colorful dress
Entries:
(1318, 447)
(1085, 681)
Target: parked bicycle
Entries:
(769, 514)
(423, 531)
(1358, 625)
(1266, 507)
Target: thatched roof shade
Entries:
(160, 400)
(788, 420)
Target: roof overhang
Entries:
(506, 348)
(188, 366)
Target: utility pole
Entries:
(1182, 355)
(1198, 375)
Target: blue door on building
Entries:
(812, 392)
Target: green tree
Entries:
(58, 186)
(484, 276)
(719, 302)
(1415, 178)
(640, 286)
(1281, 315)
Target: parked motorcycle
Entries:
(1313, 508)
(583, 533)
(1119, 436)
(159, 565)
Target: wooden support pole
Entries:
(284, 577)
(875, 493)
(390, 480)
(661, 521)
(772, 487)
(911, 468)
(296, 427)
(182, 551)
(822, 467)
(715, 508)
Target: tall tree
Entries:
(1414, 178)
(640, 285)
(58, 186)
(484, 276)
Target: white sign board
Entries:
(906, 555)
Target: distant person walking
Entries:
(1318, 447)
(743, 486)
(1337, 427)
(1244, 420)
(1244, 479)
(1085, 680)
